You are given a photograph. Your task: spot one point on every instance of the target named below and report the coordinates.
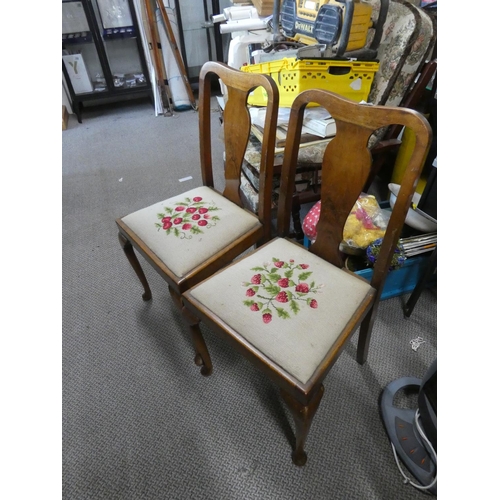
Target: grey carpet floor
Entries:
(138, 419)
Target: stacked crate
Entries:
(264, 7)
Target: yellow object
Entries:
(402, 159)
(355, 231)
(350, 79)
(306, 15)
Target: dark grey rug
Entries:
(139, 421)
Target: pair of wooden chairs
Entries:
(288, 309)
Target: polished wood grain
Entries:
(346, 167)
(236, 134)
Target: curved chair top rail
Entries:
(346, 166)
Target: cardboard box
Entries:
(65, 117)
(75, 65)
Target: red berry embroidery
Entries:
(267, 286)
(283, 283)
(181, 219)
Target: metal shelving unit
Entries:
(103, 55)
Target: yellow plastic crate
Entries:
(351, 79)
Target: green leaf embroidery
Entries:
(274, 277)
(304, 276)
(282, 313)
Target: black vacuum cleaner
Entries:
(413, 432)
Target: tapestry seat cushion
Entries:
(287, 302)
(186, 230)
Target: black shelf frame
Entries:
(110, 92)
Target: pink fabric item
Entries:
(311, 220)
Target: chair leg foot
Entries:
(202, 356)
(299, 458)
(302, 416)
(136, 266)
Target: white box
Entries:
(73, 18)
(75, 65)
(115, 13)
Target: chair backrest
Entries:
(346, 166)
(407, 41)
(236, 127)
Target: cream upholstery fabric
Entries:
(289, 303)
(208, 223)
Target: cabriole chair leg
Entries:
(202, 356)
(302, 416)
(134, 262)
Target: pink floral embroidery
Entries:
(187, 217)
(278, 289)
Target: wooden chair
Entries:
(290, 310)
(188, 237)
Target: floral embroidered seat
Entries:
(186, 230)
(292, 310)
(188, 237)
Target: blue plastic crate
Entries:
(400, 281)
(404, 279)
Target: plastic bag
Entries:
(366, 223)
